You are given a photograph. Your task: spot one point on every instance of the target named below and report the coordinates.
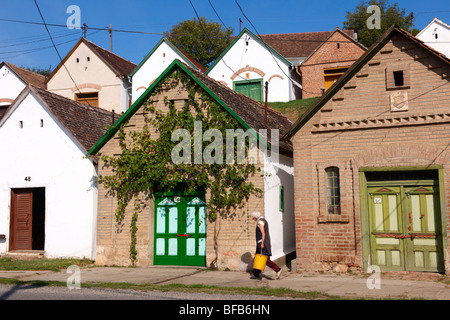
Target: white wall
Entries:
(281, 224)
(254, 55)
(153, 67)
(53, 160)
(10, 85)
(442, 43)
(85, 74)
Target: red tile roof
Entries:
(28, 76)
(295, 45)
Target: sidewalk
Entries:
(397, 286)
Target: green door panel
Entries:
(180, 230)
(404, 224)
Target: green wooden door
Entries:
(250, 88)
(423, 239)
(404, 228)
(180, 230)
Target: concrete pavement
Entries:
(397, 286)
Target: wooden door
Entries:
(180, 231)
(21, 220)
(405, 228)
(423, 238)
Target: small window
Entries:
(88, 59)
(42, 123)
(333, 191)
(21, 124)
(398, 78)
(436, 36)
(338, 45)
(78, 60)
(281, 198)
(90, 98)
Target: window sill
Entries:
(398, 88)
(332, 219)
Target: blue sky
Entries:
(21, 43)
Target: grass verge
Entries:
(10, 264)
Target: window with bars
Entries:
(333, 191)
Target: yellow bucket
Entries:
(260, 262)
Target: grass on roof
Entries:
(293, 109)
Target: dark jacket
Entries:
(267, 250)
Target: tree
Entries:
(41, 71)
(203, 41)
(361, 20)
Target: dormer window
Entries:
(398, 77)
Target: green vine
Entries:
(145, 165)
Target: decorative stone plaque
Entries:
(399, 101)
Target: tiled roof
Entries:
(295, 45)
(87, 124)
(119, 65)
(250, 111)
(28, 76)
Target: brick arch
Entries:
(87, 86)
(276, 76)
(144, 88)
(404, 154)
(224, 83)
(247, 68)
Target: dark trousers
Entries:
(272, 265)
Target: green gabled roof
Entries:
(188, 59)
(249, 113)
(236, 39)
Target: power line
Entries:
(56, 49)
(91, 28)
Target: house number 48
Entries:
(28, 179)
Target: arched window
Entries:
(333, 191)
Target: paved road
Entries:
(27, 292)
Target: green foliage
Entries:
(144, 165)
(390, 14)
(202, 40)
(41, 71)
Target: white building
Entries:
(248, 63)
(48, 192)
(13, 80)
(437, 36)
(97, 77)
(156, 61)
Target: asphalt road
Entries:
(28, 292)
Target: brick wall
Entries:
(338, 51)
(235, 233)
(358, 129)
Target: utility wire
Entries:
(56, 49)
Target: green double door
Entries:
(405, 228)
(180, 230)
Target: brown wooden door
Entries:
(22, 220)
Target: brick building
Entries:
(328, 62)
(161, 240)
(372, 163)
